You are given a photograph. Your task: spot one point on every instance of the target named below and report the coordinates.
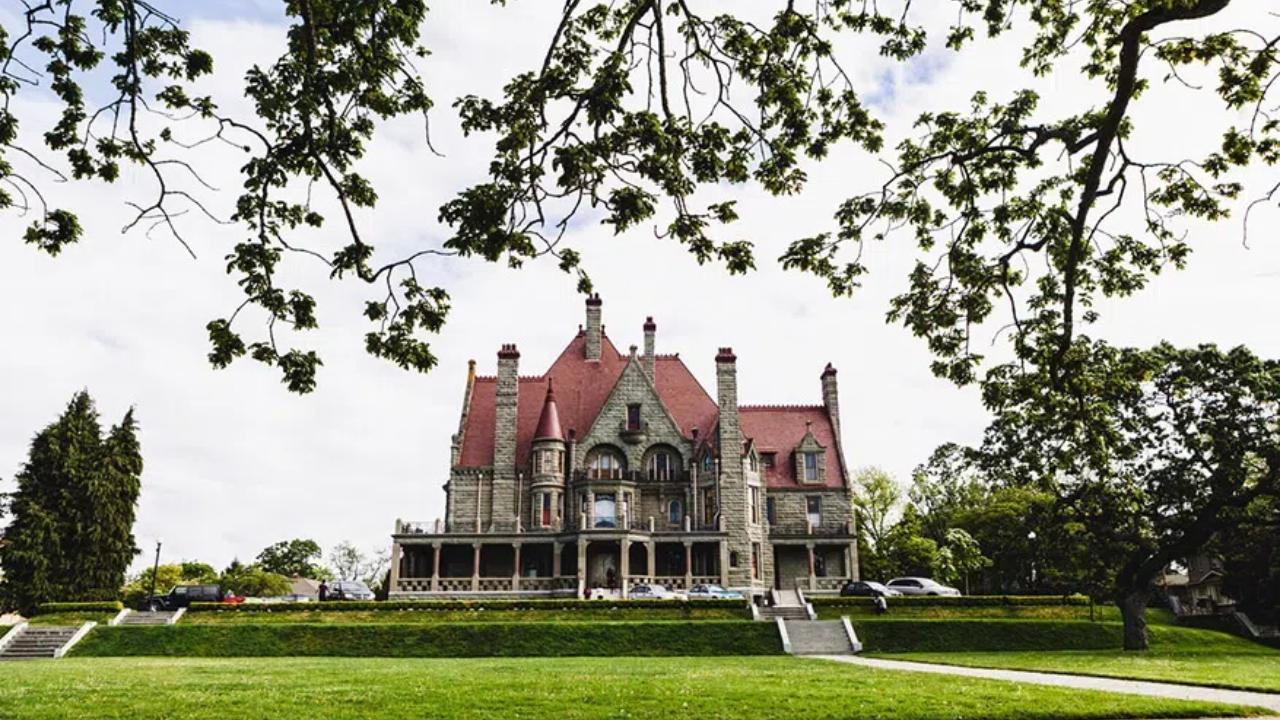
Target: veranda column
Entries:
(812, 576)
(555, 559)
(582, 567)
(855, 572)
(651, 568)
(393, 585)
(475, 568)
(688, 565)
(515, 568)
(624, 564)
(724, 563)
(436, 548)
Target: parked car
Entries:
(349, 590)
(921, 586)
(651, 592)
(182, 596)
(866, 588)
(233, 599)
(713, 592)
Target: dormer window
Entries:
(633, 417)
(811, 467)
(768, 460)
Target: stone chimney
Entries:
(831, 397)
(733, 496)
(594, 327)
(504, 439)
(650, 336)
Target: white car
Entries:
(645, 591)
(921, 586)
(713, 592)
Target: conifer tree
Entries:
(71, 534)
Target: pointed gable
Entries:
(581, 388)
(782, 429)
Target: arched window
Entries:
(708, 463)
(605, 463)
(675, 512)
(662, 464)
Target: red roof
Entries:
(582, 386)
(779, 429)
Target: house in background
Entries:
(613, 469)
(1197, 590)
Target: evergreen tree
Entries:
(71, 534)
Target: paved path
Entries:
(1083, 682)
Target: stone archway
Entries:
(603, 564)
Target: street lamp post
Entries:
(155, 571)
(1032, 537)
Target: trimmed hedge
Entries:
(958, 601)
(437, 641)
(430, 605)
(112, 606)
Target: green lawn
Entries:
(1199, 657)
(575, 688)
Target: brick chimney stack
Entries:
(831, 397)
(594, 327)
(504, 439)
(650, 337)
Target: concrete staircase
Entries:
(786, 612)
(158, 617)
(37, 641)
(818, 637)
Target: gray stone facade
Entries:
(650, 479)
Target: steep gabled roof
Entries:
(779, 429)
(581, 388)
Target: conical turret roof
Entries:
(549, 421)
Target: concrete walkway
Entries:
(1083, 682)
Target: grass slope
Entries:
(488, 639)
(1176, 655)
(897, 635)
(1101, 613)
(1184, 655)
(571, 688)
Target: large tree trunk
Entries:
(1133, 610)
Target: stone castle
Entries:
(614, 469)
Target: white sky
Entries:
(234, 462)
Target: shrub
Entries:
(707, 638)
(111, 606)
(430, 605)
(958, 601)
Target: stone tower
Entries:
(548, 467)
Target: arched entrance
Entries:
(603, 566)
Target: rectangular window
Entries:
(771, 511)
(546, 509)
(755, 560)
(606, 511)
(768, 459)
(708, 506)
(811, 467)
(813, 509)
(633, 417)
(755, 505)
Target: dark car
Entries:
(183, 595)
(862, 588)
(349, 590)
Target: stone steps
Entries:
(159, 617)
(818, 637)
(786, 613)
(35, 642)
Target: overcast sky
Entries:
(235, 462)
